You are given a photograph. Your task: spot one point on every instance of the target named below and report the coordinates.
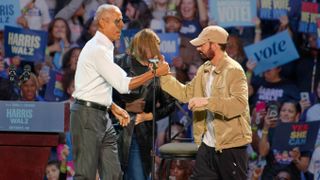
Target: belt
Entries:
(222, 117)
(91, 104)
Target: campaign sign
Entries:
(308, 20)
(9, 12)
(54, 90)
(30, 45)
(273, 9)
(32, 116)
(233, 12)
(272, 52)
(290, 135)
(126, 38)
(169, 45)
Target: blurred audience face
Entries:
(283, 175)
(272, 75)
(52, 172)
(188, 9)
(172, 25)
(130, 11)
(59, 29)
(288, 113)
(312, 40)
(234, 48)
(29, 89)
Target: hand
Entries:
(304, 104)
(197, 102)
(295, 154)
(120, 114)
(137, 106)
(257, 22)
(270, 121)
(141, 117)
(22, 21)
(284, 20)
(251, 64)
(65, 152)
(163, 69)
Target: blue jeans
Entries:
(135, 168)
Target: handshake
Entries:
(159, 66)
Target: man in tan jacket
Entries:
(218, 97)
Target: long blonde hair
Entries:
(143, 42)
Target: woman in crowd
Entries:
(289, 113)
(59, 40)
(29, 89)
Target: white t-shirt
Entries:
(38, 15)
(209, 138)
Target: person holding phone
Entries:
(289, 112)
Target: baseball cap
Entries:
(172, 14)
(214, 34)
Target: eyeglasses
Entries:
(118, 21)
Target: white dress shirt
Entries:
(97, 73)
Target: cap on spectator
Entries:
(214, 34)
(172, 14)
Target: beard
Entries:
(210, 54)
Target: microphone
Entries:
(154, 62)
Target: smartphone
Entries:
(305, 96)
(273, 110)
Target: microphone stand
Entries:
(153, 154)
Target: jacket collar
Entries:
(219, 67)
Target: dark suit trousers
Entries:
(94, 143)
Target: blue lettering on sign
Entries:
(265, 13)
(270, 51)
(6, 10)
(296, 142)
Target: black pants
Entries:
(94, 142)
(230, 164)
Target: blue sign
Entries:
(272, 52)
(54, 89)
(9, 12)
(169, 45)
(233, 12)
(273, 9)
(32, 116)
(126, 38)
(30, 45)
